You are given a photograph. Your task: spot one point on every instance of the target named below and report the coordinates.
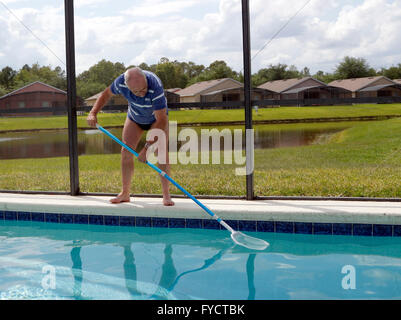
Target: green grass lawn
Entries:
(204, 116)
(363, 160)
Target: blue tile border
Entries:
(127, 221)
(342, 229)
(323, 228)
(196, 223)
(143, 222)
(362, 230)
(284, 227)
(110, 220)
(396, 231)
(317, 228)
(265, 226)
(247, 225)
(52, 217)
(382, 230)
(96, 219)
(24, 216)
(10, 215)
(66, 218)
(303, 227)
(38, 216)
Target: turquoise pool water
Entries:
(66, 261)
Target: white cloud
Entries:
(154, 8)
(318, 39)
(83, 3)
(193, 30)
(21, 45)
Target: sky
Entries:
(202, 31)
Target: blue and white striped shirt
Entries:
(141, 109)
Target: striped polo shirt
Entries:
(141, 109)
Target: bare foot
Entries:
(121, 198)
(168, 202)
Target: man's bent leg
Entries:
(131, 136)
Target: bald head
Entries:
(135, 79)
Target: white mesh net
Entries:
(248, 241)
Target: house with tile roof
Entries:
(116, 100)
(237, 94)
(193, 92)
(304, 88)
(378, 86)
(220, 90)
(34, 95)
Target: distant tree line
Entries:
(176, 74)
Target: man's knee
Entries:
(126, 154)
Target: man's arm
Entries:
(99, 104)
(161, 119)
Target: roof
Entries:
(356, 84)
(170, 93)
(173, 89)
(279, 86)
(221, 90)
(34, 87)
(381, 86)
(397, 81)
(97, 95)
(235, 88)
(297, 90)
(199, 87)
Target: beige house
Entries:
(193, 92)
(236, 94)
(114, 101)
(379, 86)
(398, 81)
(304, 88)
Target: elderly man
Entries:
(147, 109)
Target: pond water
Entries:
(48, 144)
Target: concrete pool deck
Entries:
(311, 211)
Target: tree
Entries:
(102, 72)
(3, 91)
(7, 77)
(88, 89)
(171, 74)
(219, 69)
(305, 72)
(352, 67)
(324, 76)
(393, 72)
(143, 66)
(216, 70)
(54, 77)
(98, 77)
(276, 72)
(191, 69)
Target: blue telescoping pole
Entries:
(165, 175)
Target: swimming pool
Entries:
(65, 261)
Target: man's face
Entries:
(138, 86)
